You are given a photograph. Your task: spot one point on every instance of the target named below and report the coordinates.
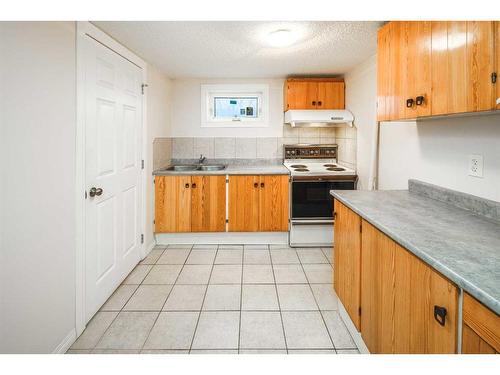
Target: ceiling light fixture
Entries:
(281, 38)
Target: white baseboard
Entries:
(356, 336)
(274, 238)
(66, 343)
(148, 249)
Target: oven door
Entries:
(311, 199)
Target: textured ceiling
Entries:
(238, 49)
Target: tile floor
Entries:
(222, 299)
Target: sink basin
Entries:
(187, 168)
(182, 168)
(216, 167)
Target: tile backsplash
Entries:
(165, 149)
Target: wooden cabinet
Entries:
(190, 204)
(480, 329)
(258, 203)
(314, 93)
(391, 296)
(497, 55)
(399, 296)
(435, 68)
(347, 260)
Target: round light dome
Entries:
(281, 38)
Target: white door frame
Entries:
(84, 30)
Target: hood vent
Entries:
(319, 118)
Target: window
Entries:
(234, 105)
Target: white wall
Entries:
(37, 156)
(159, 126)
(186, 108)
(437, 150)
(361, 96)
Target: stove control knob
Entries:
(311, 152)
(327, 151)
(293, 152)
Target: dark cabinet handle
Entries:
(313, 102)
(409, 103)
(193, 185)
(261, 184)
(320, 102)
(440, 314)
(255, 185)
(420, 100)
(186, 186)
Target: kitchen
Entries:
(229, 194)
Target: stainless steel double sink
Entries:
(194, 167)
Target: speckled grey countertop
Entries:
(460, 244)
(234, 167)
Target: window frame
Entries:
(209, 92)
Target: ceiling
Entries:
(188, 49)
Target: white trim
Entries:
(86, 29)
(356, 336)
(66, 343)
(149, 248)
(225, 238)
(259, 90)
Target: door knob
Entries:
(95, 191)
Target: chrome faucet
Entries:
(201, 159)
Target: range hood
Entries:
(319, 118)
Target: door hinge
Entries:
(143, 86)
(494, 77)
(142, 164)
(142, 238)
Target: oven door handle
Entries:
(311, 222)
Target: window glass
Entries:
(227, 107)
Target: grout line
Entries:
(164, 302)
(203, 301)
(279, 304)
(241, 298)
(317, 304)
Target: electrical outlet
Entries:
(476, 165)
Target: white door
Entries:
(113, 126)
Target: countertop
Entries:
(232, 169)
(460, 244)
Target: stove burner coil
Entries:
(298, 166)
(330, 165)
(301, 170)
(336, 169)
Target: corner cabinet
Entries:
(314, 93)
(258, 203)
(190, 204)
(437, 68)
(397, 302)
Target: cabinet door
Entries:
(331, 95)
(347, 262)
(274, 203)
(398, 299)
(472, 343)
(480, 65)
(301, 95)
(449, 67)
(244, 203)
(172, 204)
(208, 203)
(384, 69)
(416, 78)
(484, 325)
(497, 67)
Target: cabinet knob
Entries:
(409, 103)
(420, 100)
(255, 185)
(320, 102)
(186, 186)
(261, 184)
(440, 314)
(193, 185)
(314, 102)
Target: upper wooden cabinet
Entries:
(190, 204)
(436, 68)
(497, 53)
(480, 329)
(314, 93)
(258, 203)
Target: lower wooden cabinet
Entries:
(480, 328)
(397, 302)
(347, 260)
(190, 204)
(258, 203)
